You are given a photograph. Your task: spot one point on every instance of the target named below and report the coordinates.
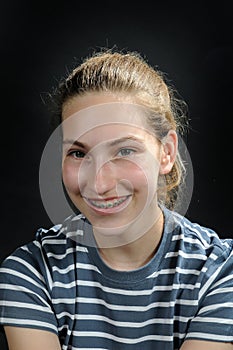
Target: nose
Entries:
(97, 177)
(105, 179)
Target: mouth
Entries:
(108, 205)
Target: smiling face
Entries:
(111, 163)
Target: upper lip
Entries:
(106, 198)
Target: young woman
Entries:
(125, 270)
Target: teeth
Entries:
(107, 204)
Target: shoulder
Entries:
(206, 237)
(54, 243)
(195, 237)
(54, 251)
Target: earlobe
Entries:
(169, 152)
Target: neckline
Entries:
(146, 270)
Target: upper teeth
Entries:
(107, 204)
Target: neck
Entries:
(135, 254)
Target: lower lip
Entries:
(113, 210)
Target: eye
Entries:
(124, 152)
(76, 154)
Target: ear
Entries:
(168, 152)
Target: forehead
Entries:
(106, 116)
(90, 99)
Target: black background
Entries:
(39, 42)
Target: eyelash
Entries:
(74, 154)
(126, 149)
(82, 154)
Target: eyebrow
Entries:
(73, 142)
(126, 138)
(111, 143)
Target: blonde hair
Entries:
(130, 73)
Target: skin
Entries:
(113, 175)
(121, 255)
(28, 339)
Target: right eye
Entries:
(76, 154)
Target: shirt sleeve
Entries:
(214, 320)
(25, 299)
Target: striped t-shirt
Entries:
(185, 292)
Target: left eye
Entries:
(124, 152)
(77, 154)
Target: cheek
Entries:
(133, 176)
(140, 176)
(70, 177)
(145, 184)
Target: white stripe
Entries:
(113, 306)
(78, 217)
(137, 292)
(178, 237)
(209, 282)
(17, 288)
(63, 271)
(68, 251)
(126, 323)
(65, 285)
(225, 321)
(177, 286)
(179, 335)
(214, 307)
(199, 232)
(182, 319)
(74, 348)
(173, 271)
(65, 314)
(26, 278)
(71, 234)
(51, 241)
(77, 316)
(25, 248)
(114, 322)
(213, 256)
(49, 277)
(72, 267)
(185, 255)
(17, 304)
(87, 267)
(222, 281)
(190, 240)
(187, 302)
(37, 244)
(16, 321)
(124, 340)
(115, 290)
(209, 336)
(202, 229)
(56, 229)
(65, 326)
(125, 307)
(29, 266)
(71, 347)
(64, 300)
(222, 290)
(188, 271)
